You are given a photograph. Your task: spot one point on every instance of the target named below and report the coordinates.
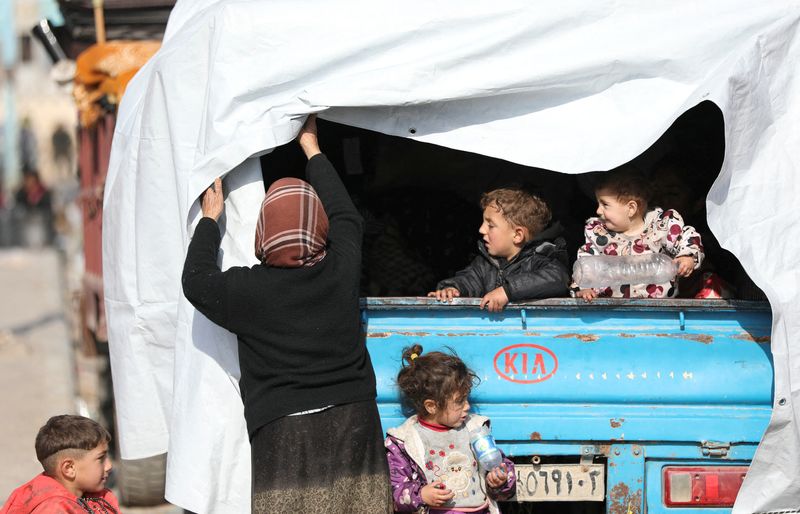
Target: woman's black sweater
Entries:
(300, 341)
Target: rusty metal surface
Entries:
(621, 500)
(586, 338)
(625, 483)
(93, 157)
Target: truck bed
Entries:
(676, 380)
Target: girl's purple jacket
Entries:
(408, 478)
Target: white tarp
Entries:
(562, 85)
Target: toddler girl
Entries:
(625, 226)
(431, 462)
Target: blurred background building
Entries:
(37, 124)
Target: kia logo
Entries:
(517, 362)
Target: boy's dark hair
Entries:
(67, 432)
(519, 208)
(627, 183)
(434, 376)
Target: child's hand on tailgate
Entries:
(445, 295)
(495, 301)
(586, 294)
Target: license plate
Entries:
(560, 482)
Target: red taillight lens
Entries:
(708, 486)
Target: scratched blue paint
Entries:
(625, 475)
(660, 375)
(663, 450)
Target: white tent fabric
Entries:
(568, 86)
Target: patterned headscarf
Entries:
(293, 228)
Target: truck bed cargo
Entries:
(635, 385)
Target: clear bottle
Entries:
(615, 270)
(485, 449)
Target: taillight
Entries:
(707, 486)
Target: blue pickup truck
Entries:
(615, 406)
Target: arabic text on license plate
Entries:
(560, 482)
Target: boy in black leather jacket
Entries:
(521, 257)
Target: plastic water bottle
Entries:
(616, 270)
(485, 449)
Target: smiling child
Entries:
(626, 226)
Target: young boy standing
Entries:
(518, 258)
(73, 451)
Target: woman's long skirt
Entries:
(327, 462)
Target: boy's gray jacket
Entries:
(538, 271)
(415, 449)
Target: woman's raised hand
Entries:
(212, 202)
(307, 138)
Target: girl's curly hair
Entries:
(436, 376)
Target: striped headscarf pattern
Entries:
(292, 228)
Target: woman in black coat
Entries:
(307, 382)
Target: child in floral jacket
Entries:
(432, 467)
(625, 226)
